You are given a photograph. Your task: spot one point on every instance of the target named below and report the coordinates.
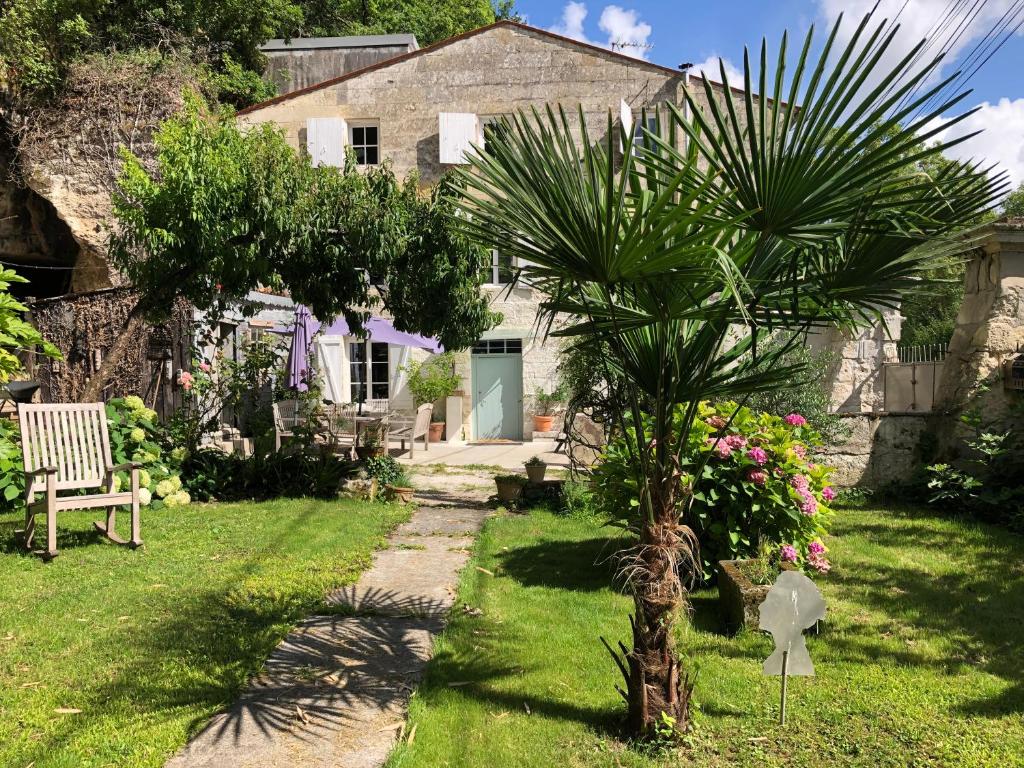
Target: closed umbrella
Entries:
(298, 354)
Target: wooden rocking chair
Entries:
(66, 447)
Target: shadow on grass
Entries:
(978, 599)
(580, 566)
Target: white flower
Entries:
(164, 489)
(145, 497)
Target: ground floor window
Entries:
(498, 347)
(370, 371)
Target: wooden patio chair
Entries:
(286, 418)
(66, 447)
(413, 428)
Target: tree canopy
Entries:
(1013, 206)
(227, 212)
(39, 39)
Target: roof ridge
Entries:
(449, 41)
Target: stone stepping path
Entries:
(335, 692)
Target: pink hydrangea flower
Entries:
(819, 563)
(715, 421)
(185, 380)
(204, 367)
(828, 493)
(795, 420)
(816, 548)
(736, 442)
(757, 476)
(809, 505)
(721, 448)
(788, 553)
(800, 482)
(800, 450)
(758, 455)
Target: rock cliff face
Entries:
(65, 161)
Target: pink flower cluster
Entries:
(828, 493)
(788, 553)
(185, 380)
(816, 557)
(758, 455)
(721, 447)
(795, 420)
(802, 484)
(800, 450)
(757, 476)
(716, 421)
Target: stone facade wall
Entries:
(881, 449)
(494, 72)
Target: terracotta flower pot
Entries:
(536, 472)
(543, 423)
(436, 430)
(508, 490)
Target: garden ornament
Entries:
(793, 604)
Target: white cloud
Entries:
(710, 67)
(627, 33)
(572, 22)
(1002, 141)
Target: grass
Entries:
(113, 657)
(920, 662)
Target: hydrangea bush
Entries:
(135, 435)
(753, 479)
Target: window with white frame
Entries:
(370, 371)
(501, 269)
(639, 139)
(365, 142)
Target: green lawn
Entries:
(148, 644)
(921, 662)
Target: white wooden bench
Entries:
(410, 430)
(66, 447)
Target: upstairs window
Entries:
(639, 138)
(501, 270)
(366, 144)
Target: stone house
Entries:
(421, 111)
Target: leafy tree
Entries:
(683, 261)
(429, 20)
(16, 335)
(227, 212)
(1013, 206)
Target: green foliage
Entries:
(535, 461)
(16, 335)
(430, 20)
(807, 395)
(386, 470)
(234, 84)
(548, 402)
(763, 566)
(751, 478)
(1013, 206)
(12, 472)
(212, 475)
(578, 499)
(228, 211)
(136, 435)
(432, 379)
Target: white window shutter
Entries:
(330, 353)
(458, 132)
(326, 138)
(626, 115)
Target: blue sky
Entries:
(700, 32)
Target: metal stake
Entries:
(782, 708)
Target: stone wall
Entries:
(493, 72)
(857, 381)
(881, 449)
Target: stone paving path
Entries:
(335, 692)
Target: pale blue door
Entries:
(497, 393)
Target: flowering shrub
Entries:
(753, 479)
(135, 435)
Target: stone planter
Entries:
(739, 598)
(365, 453)
(536, 472)
(400, 493)
(436, 431)
(543, 423)
(509, 490)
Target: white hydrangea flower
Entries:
(145, 497)
(164, 489)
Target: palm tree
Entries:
(684, 251)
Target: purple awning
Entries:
(377, 329)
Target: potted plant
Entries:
(535, 469)
(370, 445)
(432, 380)
(744, 584)
(509, 487)
(400, 488)
(387, 472)
(547, 403)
